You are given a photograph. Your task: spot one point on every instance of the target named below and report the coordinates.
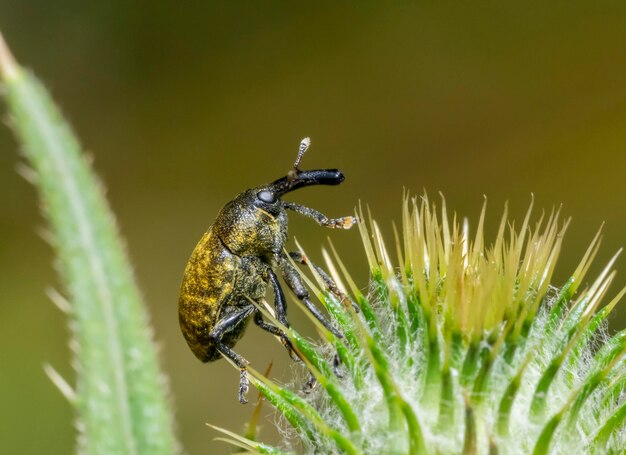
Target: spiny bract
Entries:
(462, 348)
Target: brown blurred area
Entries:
(185, 104)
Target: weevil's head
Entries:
(255, 222)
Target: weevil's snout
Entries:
(298, 179)
(316, 177)
(324, 176)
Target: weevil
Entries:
(239, 257)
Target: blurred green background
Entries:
(185, 104)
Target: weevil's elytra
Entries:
(236, 260)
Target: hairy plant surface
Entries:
(460, 348)
(120, 394)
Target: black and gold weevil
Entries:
(235, 260)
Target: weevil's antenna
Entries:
(304, 146)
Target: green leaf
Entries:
(300, 414)
(246, 443)
(615, 421)
(545, 438)
(120, 394)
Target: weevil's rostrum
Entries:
(236, 260)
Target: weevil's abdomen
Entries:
(207, 286)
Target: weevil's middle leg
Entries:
(280, 304)
(311, 382)
(302, 259)
(294, 281)
(345, 222)
(332, 286)
(271, 328)
(279, 299)
(222, 327)
(336, 364)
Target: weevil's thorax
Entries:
(249, 226)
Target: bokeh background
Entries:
(185, 104)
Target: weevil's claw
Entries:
(344, 299)
(336, 364)
(309, 384)
(345, 222)
(292, 352)
(336, 332)
(243, 386)
(295, 357)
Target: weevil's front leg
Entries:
(332, 286)
(294, 281)
(222, 327)
(345, 222)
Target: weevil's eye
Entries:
(266, 196)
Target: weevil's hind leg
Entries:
(222, 327)
(345, 222)
(332, 286)
(294, 281)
